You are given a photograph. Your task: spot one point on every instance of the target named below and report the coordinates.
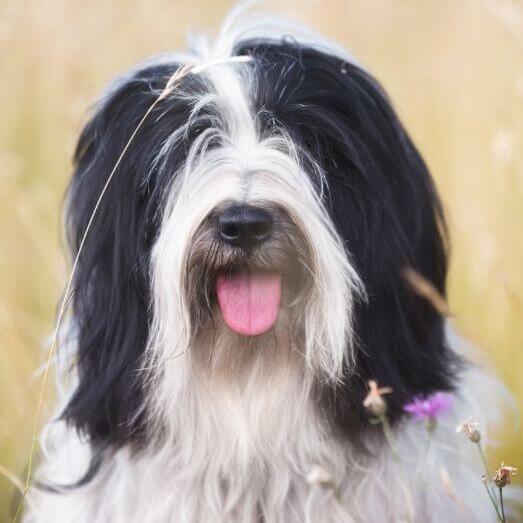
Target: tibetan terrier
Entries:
(243, 217)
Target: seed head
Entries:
(470, 429)
(503, 476)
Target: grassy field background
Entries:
(454, 69)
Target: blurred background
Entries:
(454, 69)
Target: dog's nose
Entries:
(245, 225)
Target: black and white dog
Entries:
(240, 283)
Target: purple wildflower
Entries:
(428, 408)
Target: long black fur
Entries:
(111, 285)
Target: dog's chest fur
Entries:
(274, 474)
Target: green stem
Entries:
(483, 459)
(501, 504)
(389, 436)
(424, 462)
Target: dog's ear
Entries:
(383, 202)
(111, 282)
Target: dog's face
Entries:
(255, 233)
(246, 247)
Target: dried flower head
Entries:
(503, 476)
(428, 408)
(374, 402)
(470, 429)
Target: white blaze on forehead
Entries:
(230, 82)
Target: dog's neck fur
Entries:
(248, 431)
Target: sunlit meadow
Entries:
(454, 69)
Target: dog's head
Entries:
(261, 216)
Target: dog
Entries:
(242, 216)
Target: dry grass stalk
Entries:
(424, 288)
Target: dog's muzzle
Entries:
(249, 298)
(247, 262)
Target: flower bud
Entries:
(374, 402)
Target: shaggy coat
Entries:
(168, 415)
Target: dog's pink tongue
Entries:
(249, 301)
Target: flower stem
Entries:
(426, 454)
(389, 436)
(483, 459)
(501, 504)
(487, 486)
(500, 517)
(485, 466)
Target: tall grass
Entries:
(452, 67)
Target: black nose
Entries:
(245, 225)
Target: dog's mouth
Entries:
(249, 300)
